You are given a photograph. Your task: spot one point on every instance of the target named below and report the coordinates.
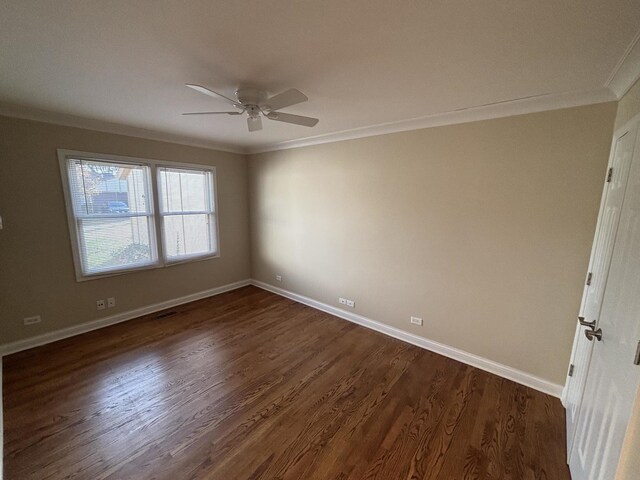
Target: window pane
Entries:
(187, 235)
(108, 188)
(110, 243)
(184, 190)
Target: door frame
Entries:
(628, 126)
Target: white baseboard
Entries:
(446, 350)
(490, 366)
(9, 348)
(451, 352)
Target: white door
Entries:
(612, 377)
(613, 194)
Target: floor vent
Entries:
(170, 313)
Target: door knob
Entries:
(591, 325)
(590, 334)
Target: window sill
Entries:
(80, 277)
(191, 258)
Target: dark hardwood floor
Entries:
(249, 385)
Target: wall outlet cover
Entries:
(100, 305)
(111, 302)
(32, 320)
(416, 321)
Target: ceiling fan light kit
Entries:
(257, 104)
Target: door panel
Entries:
(608, 220)
(612, 378)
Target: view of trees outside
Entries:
(110, 202)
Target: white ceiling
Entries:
(360, 62)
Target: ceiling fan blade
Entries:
(295, 119)
(286, 99)
(212, 113)
(211, 93)
(254, 123)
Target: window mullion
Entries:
(158, 219)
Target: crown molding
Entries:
(627, 70)
(507, 108)
(27, 113)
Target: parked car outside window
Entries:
(118, 207)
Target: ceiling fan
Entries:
(256, 103)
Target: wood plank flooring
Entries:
(249, 385)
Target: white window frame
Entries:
(157, 240)
(211, 213)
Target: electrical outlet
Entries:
(100, 305)
(278, 278)
(347, 302)
(111, 302)
(416, 321)
(32, 320)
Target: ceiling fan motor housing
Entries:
(251, 96)
(252, 110)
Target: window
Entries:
(117, 227)
(113, 215)
(186, 207)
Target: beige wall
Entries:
(628, 107)
(482, 229)
(36, 267)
